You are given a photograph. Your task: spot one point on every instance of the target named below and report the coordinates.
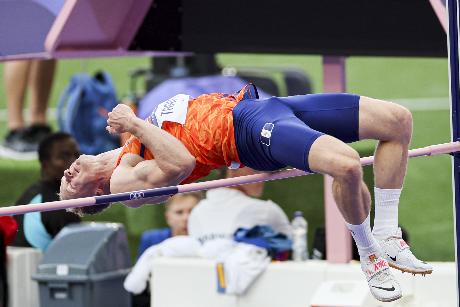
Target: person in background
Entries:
(56, 153)
(224, 210)
(178, 209)
(21, 141)
(177, 212)
(8, 230)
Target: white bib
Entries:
(173, 110)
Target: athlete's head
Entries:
(82, 179)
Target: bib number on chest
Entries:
(173, 110)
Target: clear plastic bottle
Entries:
(299, 237)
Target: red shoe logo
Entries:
(382, 264)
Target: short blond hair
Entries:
(88, 210)
(80, 211)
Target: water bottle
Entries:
(299, 237)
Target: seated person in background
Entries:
(226, 209)
(56, 153)
(177, 213)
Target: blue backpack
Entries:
(82, 112)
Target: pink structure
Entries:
(83, 28)
(96, 25)
(439, 8)
(338, 238)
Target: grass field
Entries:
(426, 206)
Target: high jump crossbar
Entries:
(431, 150)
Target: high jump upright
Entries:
(453, 49)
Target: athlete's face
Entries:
(81, 178)
(178, 211)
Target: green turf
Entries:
(426, 206)
(371, 76)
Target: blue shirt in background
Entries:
(153, 237)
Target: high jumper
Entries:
(185, 138)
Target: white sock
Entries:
(363, 237)
(386, 212)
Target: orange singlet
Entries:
(207, 133)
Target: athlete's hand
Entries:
(121, 119)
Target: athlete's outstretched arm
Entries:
(172, 163)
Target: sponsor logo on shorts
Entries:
(266, 133)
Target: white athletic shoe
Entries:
(382, 283)
(399, 256)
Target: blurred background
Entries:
(421, 84)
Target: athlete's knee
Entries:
(386, 121)
(401, 123)
(403, 118)
(348, 167)
(350, 170)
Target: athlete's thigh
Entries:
(335, 114)
(269, 136)
(379, 119)
(328, 154)
(295, 144)
(290, 142)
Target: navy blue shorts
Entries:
(277, 132)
